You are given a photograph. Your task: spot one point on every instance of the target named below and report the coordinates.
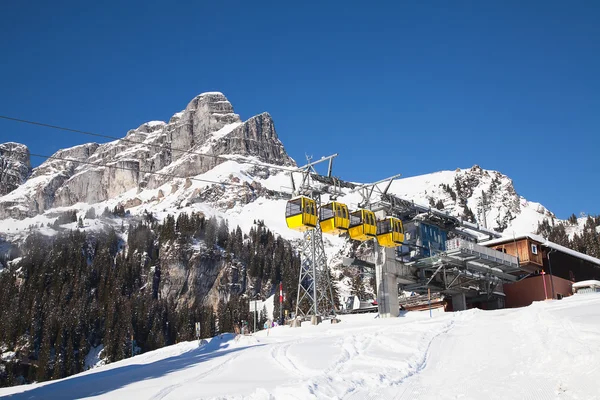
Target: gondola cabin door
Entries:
(334, 218)
(390, 232)
(362, 225)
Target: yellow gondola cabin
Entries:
(390, 232)
(301, 214)
(362, 225)
(334, 218)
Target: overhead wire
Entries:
(62, 128)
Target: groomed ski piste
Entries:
(549, 350)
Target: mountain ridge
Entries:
(208, 125)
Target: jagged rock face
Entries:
(208, 125)
(15, 166)
(188, 275)
(256, 137)
(42, 187)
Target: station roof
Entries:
(543, 242)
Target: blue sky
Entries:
(402, 87)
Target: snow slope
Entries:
(549, 350)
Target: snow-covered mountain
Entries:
(250, 169)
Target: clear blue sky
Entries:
(407, 87)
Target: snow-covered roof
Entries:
(543, 242)
(586, 283)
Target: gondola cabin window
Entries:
(301, 214)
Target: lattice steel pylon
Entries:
(315, 294)
(313, 280)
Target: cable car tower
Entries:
(314, 285)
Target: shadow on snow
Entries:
(98, 383)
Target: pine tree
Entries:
(439, 205)
(573, 219)
(263, 316)
(90, 213)
(210, 232)
(357, 287)
(222, 234)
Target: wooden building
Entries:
(537, 255)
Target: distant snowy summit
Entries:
(477, 195)
(208, 125)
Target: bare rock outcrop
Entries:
(15, 166)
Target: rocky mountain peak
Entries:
(207, 126)
(15, 166)
(209, 112)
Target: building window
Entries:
(534, 248)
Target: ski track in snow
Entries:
(164, 392)
(549, 350)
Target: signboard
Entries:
(256, 305)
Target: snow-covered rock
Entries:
(489, 195)
(15, 166)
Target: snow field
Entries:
(549, 350)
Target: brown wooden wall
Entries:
(522, 248)
(525, 292)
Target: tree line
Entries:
(586, 242)
(78, 290)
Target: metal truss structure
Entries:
(315, 294)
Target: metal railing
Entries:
(461, 245)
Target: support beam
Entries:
(387, 283)
(459, 302)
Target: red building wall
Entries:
(525, 292)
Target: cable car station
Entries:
(415, 248)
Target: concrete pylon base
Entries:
(459, 302)
(316, 319)
(296, 323)
(335, 320)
